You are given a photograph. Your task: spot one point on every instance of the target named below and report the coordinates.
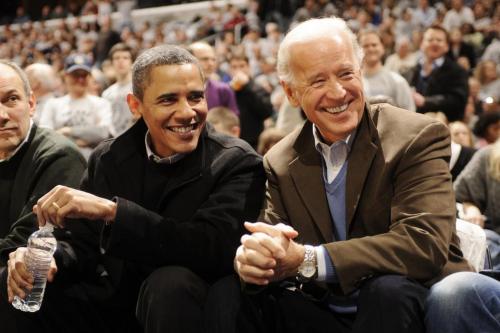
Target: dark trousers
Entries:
(59, 313)
(389, 303)
(171, 300)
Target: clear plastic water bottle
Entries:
(41, 247)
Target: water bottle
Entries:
(41, 247)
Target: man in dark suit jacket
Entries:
(440, 83)
(170, 196)
(359, 207)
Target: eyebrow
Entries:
(10, 92)
(173, 95)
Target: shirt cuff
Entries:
(326, 268)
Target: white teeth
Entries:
(337, 109)
(179, 129)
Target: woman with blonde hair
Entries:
(478, 189)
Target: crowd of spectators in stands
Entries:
(244, 42)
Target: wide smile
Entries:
(336, 110)
(184, 130)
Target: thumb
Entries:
(52, 271)
(287, 230)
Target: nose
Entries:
(4, 116)
(185, 110)
(336, 90)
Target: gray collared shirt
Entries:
(334, 155)
(157, 159)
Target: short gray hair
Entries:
(21, 74)
(310, 30)
(44, 74)
(158, 56)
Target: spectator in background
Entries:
(43, 83)
(21, 16)
(461, 134)
(461, 147)
(487, 129)
(474, 89)
(405, 25)
(217, 93)
(82, 117)
(403, 59)
(122, 57)
(459, 48)
(379, 81)
(440, 84)
(253, 101)
(487, 75)
(424, 15)
(224, 121)
(457, 15)
(106, 38)
(478, 189)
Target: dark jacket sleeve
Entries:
(63, 166)
(78, 255)
(207, 242)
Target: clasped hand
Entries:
(268, 254)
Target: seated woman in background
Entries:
(478, 189)
(461, 147)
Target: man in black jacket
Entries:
(254, 102)
(440, 83)
(170, 196)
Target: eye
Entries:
(347, 75)
(168, 100)
(12, 99)
(318, 83)
(196, 97)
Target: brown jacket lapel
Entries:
(360, 159)
(307, 174)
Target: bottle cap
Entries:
(47, 227)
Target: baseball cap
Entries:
(77, 61)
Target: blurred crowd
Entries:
(238, 49)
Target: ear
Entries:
(236, 130)
(290, 94)
(32, 103)
(135, 105)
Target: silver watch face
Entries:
(308, 270)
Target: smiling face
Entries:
(173, 107)
(434, 44)
(15, 111)
(373, 48)
(327, 85)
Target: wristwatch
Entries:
(308, 269)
